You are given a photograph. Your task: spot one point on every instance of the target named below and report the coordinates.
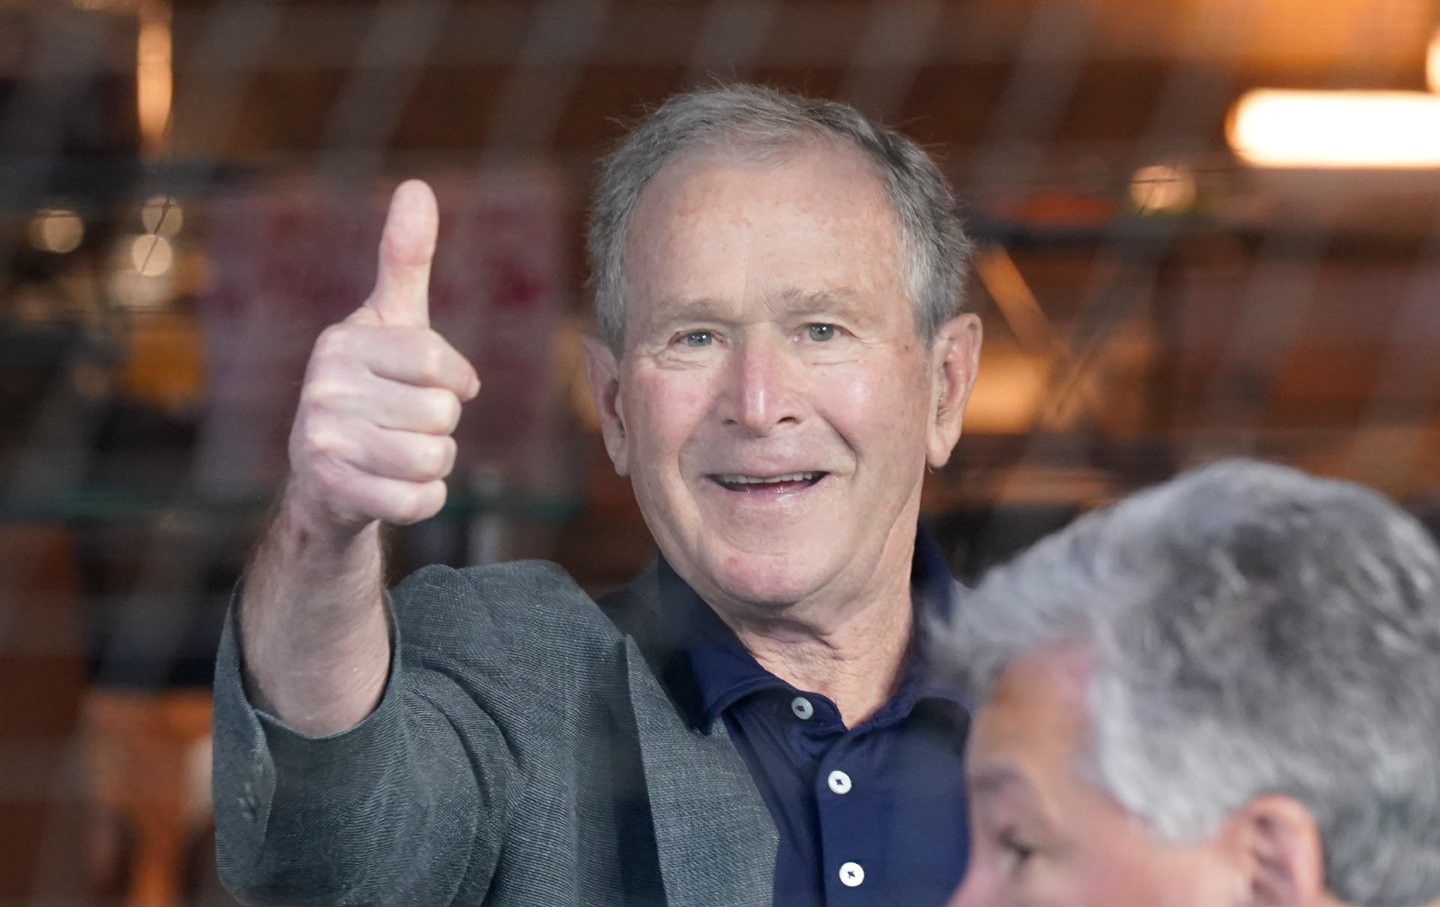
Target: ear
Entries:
(956, 360)
(1278, 848)
(603, 370)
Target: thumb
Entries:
(407, 245)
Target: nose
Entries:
(764, 386)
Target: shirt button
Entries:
(851, 874)
(802, 708)
(839, 782)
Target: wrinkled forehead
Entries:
(819, 216)
(691, 184)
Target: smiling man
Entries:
(1224, 692)
(752, 719)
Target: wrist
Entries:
(304, 524)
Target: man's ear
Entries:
(603, 370)
(955, 360)
(1278, 848)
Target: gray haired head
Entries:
(750, 121)
(1252, 631)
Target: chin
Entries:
(766, 580)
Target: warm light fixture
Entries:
(1162, 189)
(151, 254)
(1341, 129)
(154, 77)
(1432, 62)
(57, 230)
(163, 215)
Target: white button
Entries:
(802, 708)
(851, 874)
(839, 782)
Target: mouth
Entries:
(747, 484)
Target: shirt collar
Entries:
(724, 672)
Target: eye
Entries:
(698, 339)
(821, 333)
(1015, 850)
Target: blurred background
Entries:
(1205, 228)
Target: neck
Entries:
(855, 660)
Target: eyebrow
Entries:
(994, 779)
(703, 308)
(840, 301)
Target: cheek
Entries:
(862, 395)
(1131, 872)
(665, 412)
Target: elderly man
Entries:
(1225, 691)
(783, 355)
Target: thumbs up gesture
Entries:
(382, 392)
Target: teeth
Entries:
(776, 480)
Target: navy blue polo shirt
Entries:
(869, 815)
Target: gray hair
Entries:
(1253, 630)
(757, 122)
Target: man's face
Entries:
(1043, 837)
(774, 405)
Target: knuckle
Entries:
(441, 457)
(424, 460)
(327, 385)
(442, 410)
(318, 392)
(308, 444)
(450, 411)
(448, 450)
(331, 342)
(428, 461)
(319, 444)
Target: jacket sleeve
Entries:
(409, 806)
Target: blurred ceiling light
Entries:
(1432, 62)
(1162, 189)
(56, 230)
(162, 215)
(154, 78)
(1341, 129)
(151, 254)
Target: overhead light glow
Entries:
(162, 215)
(154, 74)
(56, 230)
(1162, 189)
(1432, 62)
(1340, 129)
(151, 254)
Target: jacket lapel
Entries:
(715, 838)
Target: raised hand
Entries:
(382, 392)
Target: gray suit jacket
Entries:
(530, 749)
